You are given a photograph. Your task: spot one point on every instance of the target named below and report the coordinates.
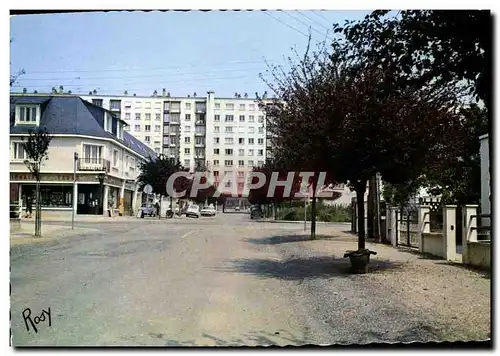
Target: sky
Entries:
(183, 52)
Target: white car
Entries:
(208, 211)
(193, 210)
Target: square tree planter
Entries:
(359, 260)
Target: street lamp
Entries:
(74, 191)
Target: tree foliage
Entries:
(37, 150)
(348, 115)
(426, 46)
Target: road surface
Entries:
(222, 281)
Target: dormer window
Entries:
(28, 114)
(108, 121)
(119, 131)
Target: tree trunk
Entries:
(360, 197)
(171, 204)
(38, 225)
(159, 213)
(313, 216)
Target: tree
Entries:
(36, 148)
(156, 172)
(297, 145)
(427, 47)
(352, 119)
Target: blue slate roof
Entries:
(72, 115)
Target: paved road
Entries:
(208, 281)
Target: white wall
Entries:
(485, 175)
(61, 153)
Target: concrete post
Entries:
(449, 232)
(423, 224)
(393, 225)
(121, 207)
(134, 201)
(469, 233)
(105, 200)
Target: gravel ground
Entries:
(406, 297)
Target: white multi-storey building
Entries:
(221, 134)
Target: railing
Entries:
(93, 164)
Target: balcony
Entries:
(93, 164)
(200, 123)
(199, 133)
(199, 145)
(173, 133)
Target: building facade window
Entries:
(158, 117)
(127, 116)
(228, 141)
(217, 106)
(147, 139)
(187, 139)
(229, 151)
(148, 116)
(216, 151)
(229, 106)
(137, 115)
(188, 106)
(260, 152)
(216, 140)
(250, 163)
(187, 151)
(216, 129)
(27, 114)
(260, 141)
(188, 117)
(147, 128)
(241, 163)
(242, 118)
(137, 128)
(250, 152)
(92, 153)
(157, 128)
(241, 152)
(251, 107)
(241, 141)
(228, 163)
(242, 107)
(187, 162)
(250, 141)
(251, 118)
(229, 129)
(187, 128)
(261, 119)
(229, 118)
(216, 162)
(19, 153)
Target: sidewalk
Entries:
(81, 218)
(272, 220)
(455, 298)
(49, 233)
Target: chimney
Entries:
(164, 92)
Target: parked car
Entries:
(193, 210)
(147, 210)
(208, 211)
(237, 208)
